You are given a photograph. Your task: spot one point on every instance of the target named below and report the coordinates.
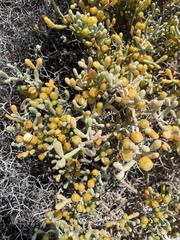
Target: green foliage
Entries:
(124, 72)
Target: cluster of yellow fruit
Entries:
(122, 98)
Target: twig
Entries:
(56, 8)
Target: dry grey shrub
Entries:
(23, 197)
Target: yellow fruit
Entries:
(93, 10)
(53, 95)
(167, 135)
(85, 32)
(91, 183)
(87, 197)
(81, 187)
(19, 138)
(29, 146)
(41, 156)
(132, 93)
(92, 20)
(62, 138)
(32, 90)
(93, 92)
(59, 110)
(28, 124)
(104, 48)
(145, 164)
(67, 146)
(127, 155)
(27, 137)
(43, 96)
(76, 186)
(75, 197)
(76, 139)
(34, 140)
(122, 223)
(94, 172)
(141, 103)
(100, 15)
(136, 137)
(143, 123)
(144, 220)
(79, 207)
(52, 125)
(103, 86)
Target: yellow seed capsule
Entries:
(144, 220)
(34, 140)
(53, 95)
(127, 155)
(59, 110)
(132, 93)
(52, 125)
(28, 124)
(143, 123)
(137, 39)
(136, 137)
(141, 103)
(27, 137)
(76, 140)
(43, 96)
(32, 90)
(104, 48)
(103, 86)
(41, 156)
(96, 64)
(169, 73)
(39, 63)
(29, 63)
(100, 15)
(126, 143)
(93, 92)
(48, 21)
(19, 138)
(91, 183)
(79, 207)
(122, 223)
(92, 20)
(29, 146)
(117, 39)
(167, 135)
(22, 155)
(62, 138)
(81, 187)
(75, 197)
(93, 10)
(163, 95)
(94, 172)
(85, 32)
(145, 164)
(87, 197)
